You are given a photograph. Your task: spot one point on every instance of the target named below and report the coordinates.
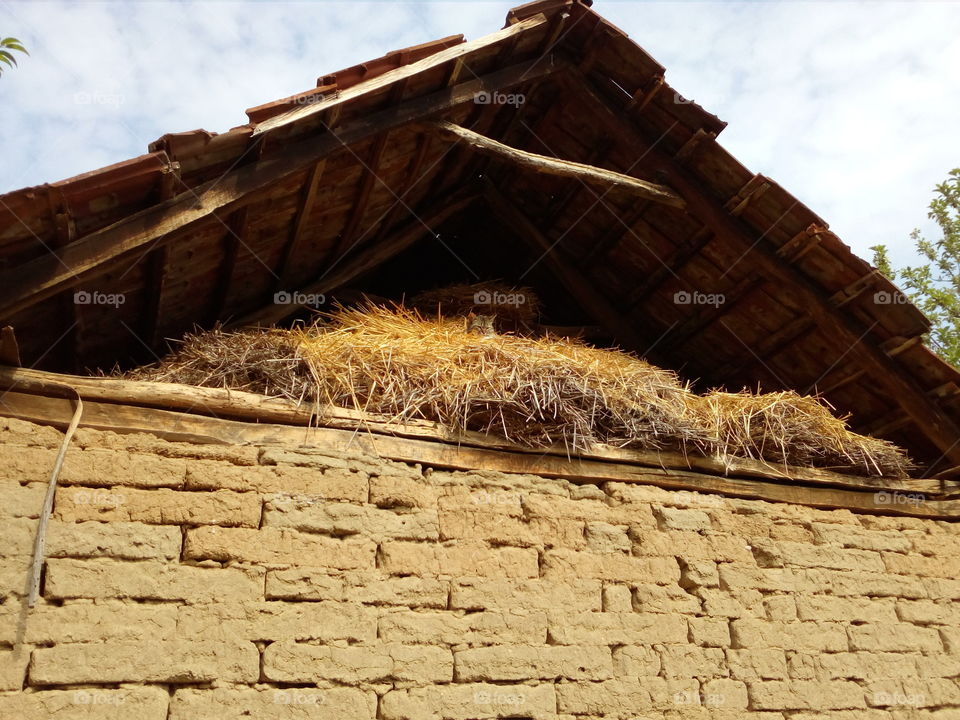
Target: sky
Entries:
(853, 107)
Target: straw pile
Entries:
(534, 391)
(785, 427)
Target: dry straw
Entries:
(534, 391)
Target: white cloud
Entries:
(850, 106)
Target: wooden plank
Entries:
(156, 278)
(307, 198)
(401, 74)
(582, 289)
(236, 227)
(239, 405)
(562, 168)
(935, 424)
(45, 276)
(370, 177)
(185, 427)
(366, 260)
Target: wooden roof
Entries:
(350, 186)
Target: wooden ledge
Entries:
(211, 415)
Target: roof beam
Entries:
(39, 279)
(307, 198)
(401, 74)
(366, 260)
(563, 168)
(580, 287)
(884, 371)
(236, 226)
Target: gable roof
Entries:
(349, 185)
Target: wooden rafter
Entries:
(671, 267)
(563, 168)
(43, 277)
(579, 287)
(156, 274)
(936, 425)
(300, 222)
(369, 180)
(707, 315)
(366, 260)
(233, 238)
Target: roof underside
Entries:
(344, 189)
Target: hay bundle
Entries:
(264, 362)
(785, 427)
(514, 309)
(535, 392)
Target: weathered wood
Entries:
(185, 427)
(236, 227)
(936, 425)
(578, 286)
(562, 168)
(401, 74)
(251, 407)
(366, 260)
(45, 276)
(307, 198)
(348, 236)
(9, 349)
(156, 278)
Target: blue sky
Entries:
(852, 106)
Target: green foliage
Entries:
(7, 47)
(934, 285)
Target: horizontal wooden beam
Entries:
(39, 279)
(563, 168)
(435, 447)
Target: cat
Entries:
(482, 324)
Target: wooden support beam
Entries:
(706, 315)
(9, 349)
(695, 141)
(935, 424)
(401, 203)
(579, 287)
(767, 347)
(563, 168)
(438, 448)
(754, 188)
(671, 267)
(156, 278)
(854, 289)
(38, 279)
(801, 243)
(367, 259)
(308, 197)
(236, 228)
(369, 179)
(613, 236)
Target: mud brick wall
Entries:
(203, 582)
